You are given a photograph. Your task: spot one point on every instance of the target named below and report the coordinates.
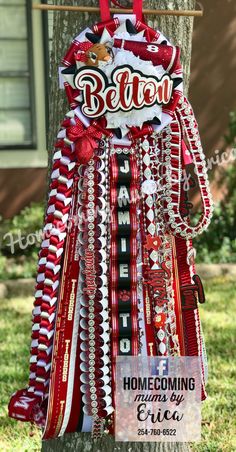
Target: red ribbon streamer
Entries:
(104, 10)
(138, 9)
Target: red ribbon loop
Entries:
(105, 9)
(117, 3)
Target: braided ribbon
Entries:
(177, 224)
(30, 404)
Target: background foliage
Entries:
(218, 243)
(24, 229)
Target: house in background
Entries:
(23, 89)
(24, 50)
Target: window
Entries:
(17, 111)
(47, 34)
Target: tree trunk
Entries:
(82, 442)
(67, 25)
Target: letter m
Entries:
(123, 217)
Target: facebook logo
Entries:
(160, 366)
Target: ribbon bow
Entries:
(81, 55)
(85, 140)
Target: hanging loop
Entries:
(138, 9)
(105, 9)
(120, 5)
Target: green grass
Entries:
(218, 414)
(219, 410)
(14, 357)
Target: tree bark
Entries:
(67, 25)
(82, 442)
